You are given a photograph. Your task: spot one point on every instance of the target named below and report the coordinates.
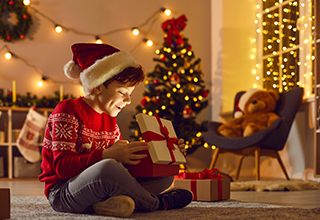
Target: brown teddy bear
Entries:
(257, 107)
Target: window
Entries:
(286, 57)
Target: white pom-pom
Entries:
(72, 70)
(237, 114)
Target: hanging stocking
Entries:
(27, 141)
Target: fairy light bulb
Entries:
(42, 80)
(26, 2)
(166, 11)
(40, 83)
(58, 28)
(8, 55)
(135, 31)
(148, 42)
(98, 40)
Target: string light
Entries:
(58, 29)
(166, 11)
(8, 55)
(281, 48)
(43, 79)
(26, 2)
(148, 42)
(135, 31)
(98, 40)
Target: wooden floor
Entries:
(303, 199)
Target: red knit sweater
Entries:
(75, 137)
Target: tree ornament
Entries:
(143, 102)
(205, 94)
(174, 79)
(21, 28)
(149, 86)
(187, 112)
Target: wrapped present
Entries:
(207, 185)
(4, 203)
(164, 156)
(161, 138)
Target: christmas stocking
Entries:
(27, 141)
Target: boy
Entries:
(83, 151)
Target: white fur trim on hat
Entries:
(72, 70)
(105, 68)
(245, 97)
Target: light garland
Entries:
(97, 36)
(280, 27)
(59, 28)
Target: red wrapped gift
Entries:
(164, 156)
(207, 185)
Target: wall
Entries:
(238, 31)
(50, 51)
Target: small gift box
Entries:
(161, 138)
(205, 186)
(164, 156)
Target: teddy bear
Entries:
(257, 107)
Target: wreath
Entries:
(21, 28)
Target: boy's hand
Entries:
(181, 146)
(124, 152)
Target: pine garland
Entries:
(30, 100)
(21, 28)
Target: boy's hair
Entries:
(131, 75)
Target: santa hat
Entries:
(96, 63)
(243, 100)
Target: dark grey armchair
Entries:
(267, 142)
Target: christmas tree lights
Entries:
(175, 89)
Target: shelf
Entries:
(14, 120)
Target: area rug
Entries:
(279, 185)
(23, 207)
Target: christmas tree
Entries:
(175, 89)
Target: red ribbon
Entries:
(205, 174)
(152, 136)
(173, 28)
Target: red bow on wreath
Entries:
(173, 28)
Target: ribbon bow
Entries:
(205, 174)
(152, 136)
(173, 28)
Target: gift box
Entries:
(4, 203)
(163, 156)
(205, 186)
(161, 138)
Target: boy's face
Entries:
(114, 98)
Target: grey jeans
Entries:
(102, 180)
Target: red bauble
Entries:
(10, 92)
(157, 101)
(205, 94)
(11, 2)
(25, 16)
(143, 102)
(9, 38)
(21, 36)
(155, 81)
